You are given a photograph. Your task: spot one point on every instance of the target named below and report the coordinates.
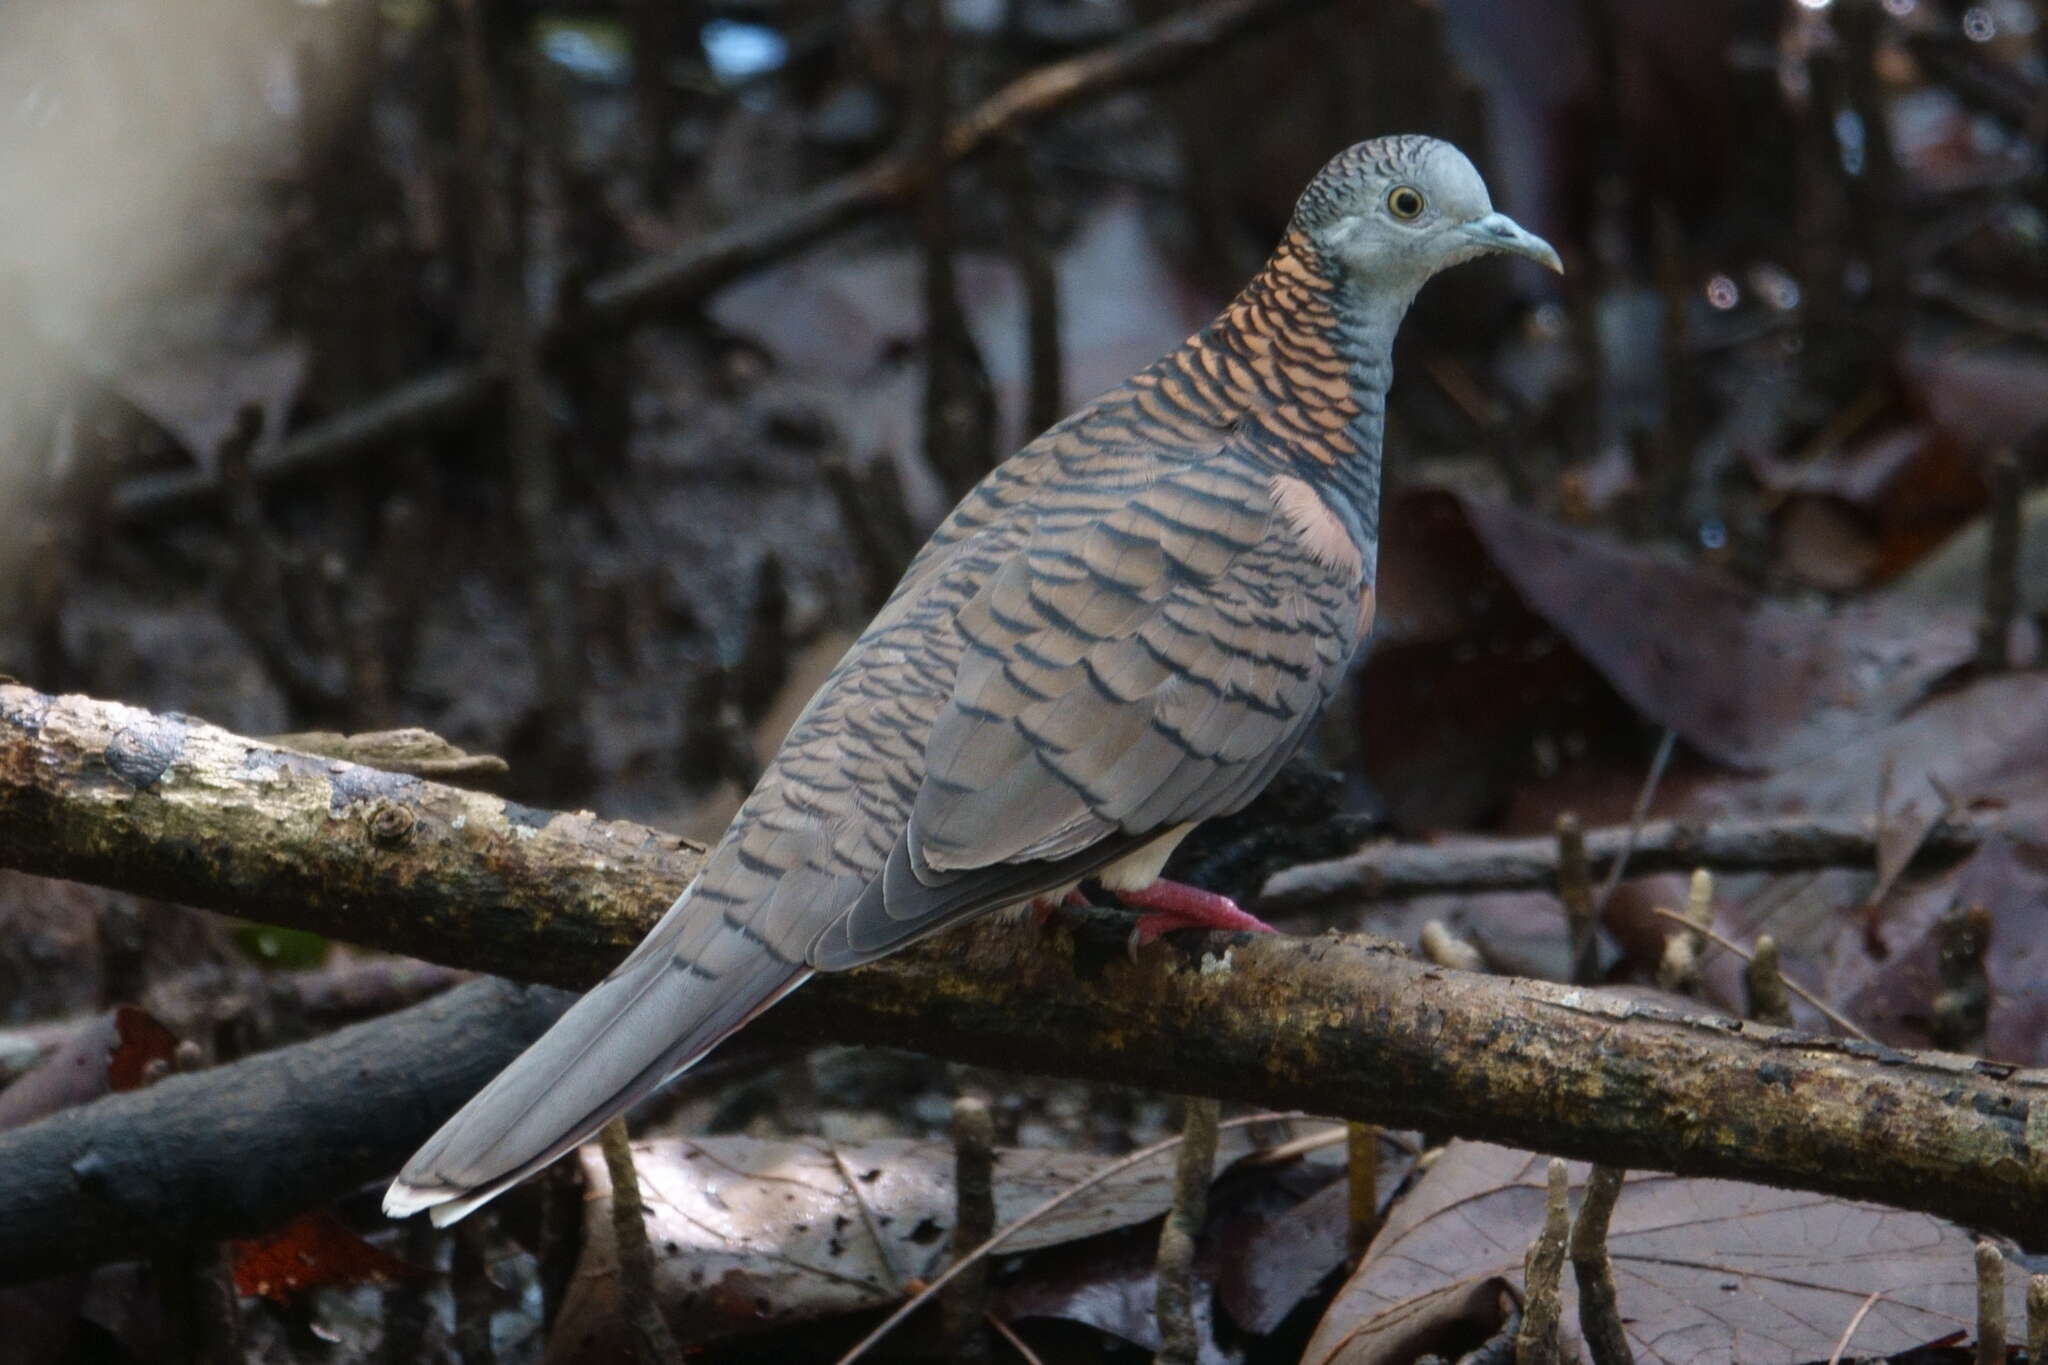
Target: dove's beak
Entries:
(1498, 232)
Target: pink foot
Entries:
(1175, 905)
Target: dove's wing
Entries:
(1141, 661)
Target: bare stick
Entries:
(655, 1344)
(1542, 1304)
(1180, 1341)
(1667, 744)
(1764, 982)
(964, 1306)
(1575, 889)
(1362, 1167)
(1855, 1321)
(1679, 969)
(1832, 1015)
(1389, 871)
(1016, 1343)
(1599, 1311)
(1990, 1305)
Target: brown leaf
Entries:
(313, 1250)
(1447, 1322)
(1277, 1261)
(750, 1234)
(1986, 745)
(1706, 1270)
(140, 1041)
(110, 1053)
(1273, 1233)
(1752, 684)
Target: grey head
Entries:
(1396, 210)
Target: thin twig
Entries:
(1593, 1268)
(964, 1306)
(1575, 889)
(1764, 983)
(1536, 1342)
(1869, 1302)
(1009, 1230)
(1388, 871)
(1802, 992)
(1362, 1170)
(1180, 1341)
(1016, 1343)
(1990, 1304)
(897, 1280)
(1678, 969)
(652, 1340)
(1645, 796)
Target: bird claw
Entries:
(1166, 906)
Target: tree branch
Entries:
(1389, 871)
(689, 272)
(175, 809)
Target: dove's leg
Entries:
(1044, 907)
(1166, 906)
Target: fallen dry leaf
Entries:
(1706, 1270)
(111, 1053)
(1986, 745)
(1505, 638)
(751, 1234)
(313, 1250)
(1752, 684)
(1273, 1234)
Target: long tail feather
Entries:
(689, 985)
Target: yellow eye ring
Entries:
(1405, 203)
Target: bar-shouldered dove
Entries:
(1123, 631)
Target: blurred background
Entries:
(573, 379)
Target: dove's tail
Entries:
(662, 1009)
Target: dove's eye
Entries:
(1405, 203)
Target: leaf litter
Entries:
(1707, 1270)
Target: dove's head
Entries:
(1396, 210)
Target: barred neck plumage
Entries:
(1302, 359)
